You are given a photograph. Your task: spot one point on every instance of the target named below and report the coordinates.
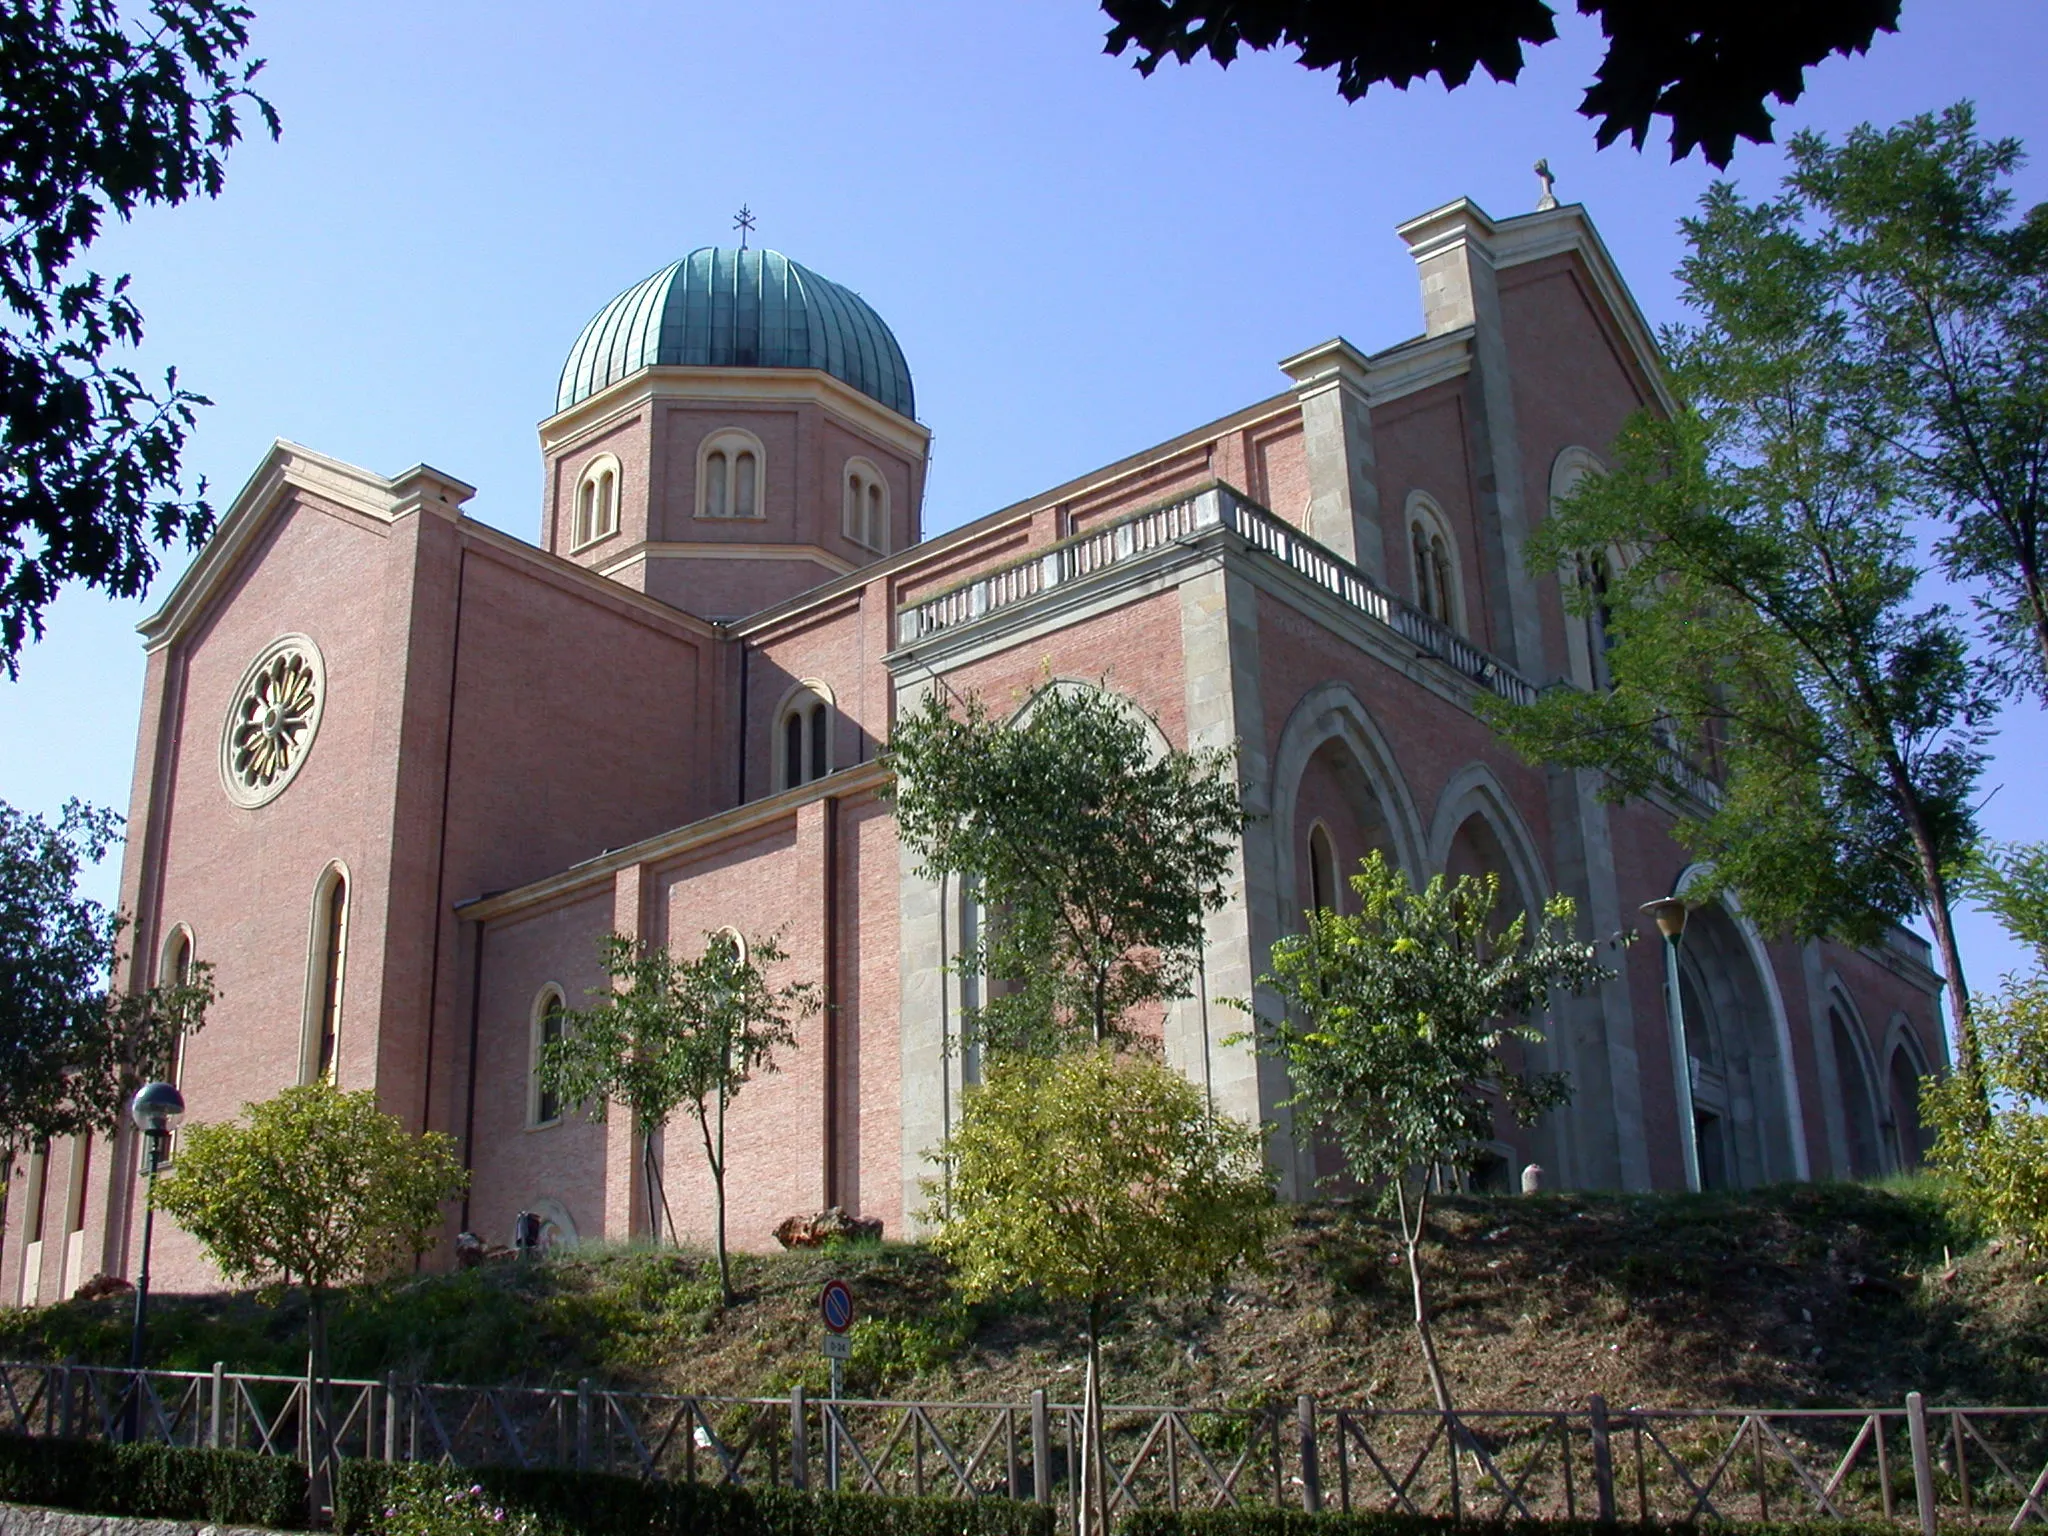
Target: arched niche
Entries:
(1905, 1063)
(1477, 831)
(1334, 765)
(1155, 739)
(1746, 1106)
(1856, 1087)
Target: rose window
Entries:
(271, 723)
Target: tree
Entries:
(1994, 1166)
(102, 110)
(1759, 619)
(1947, 299)
(676, 1034)
(317, 1188)
(1093, 1177)
(2011, 880)
(1705, 64)
(1095, 855)
(72, 1051)
(1395, 1020)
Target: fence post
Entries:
(391, 1415)
(1041, 1449)
(799, 1440)
(1603, 1460)
(583, 1424)
(1311, 1467)
(1923, 1462)
(213, 1408)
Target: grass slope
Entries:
(1800, 1294)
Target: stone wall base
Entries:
(28, 1520)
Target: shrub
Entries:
(157, 1481)
(567, 1503)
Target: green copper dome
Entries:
(738, 309)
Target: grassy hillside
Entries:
(1791, 1295)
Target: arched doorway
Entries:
(1740, 1116)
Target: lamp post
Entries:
(1668, 913)
(155, 1108)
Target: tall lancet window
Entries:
(1437, 585)
(730, 475)
(597, 502)
(327, 970)
(805, 730)
(866, 519)
(1322, 870)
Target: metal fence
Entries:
(1914, 1464)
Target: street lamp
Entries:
(1668, 913)
(155, 1108)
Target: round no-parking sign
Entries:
(835, 1305)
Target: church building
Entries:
(399, 772)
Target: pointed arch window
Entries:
(326, 972)
(865, 506)
(731, 475)
(597, 501)
(1433, 556)
(804, 737)
(174, 970)
(1322, 869)
(1596, 576)
(543, 1108)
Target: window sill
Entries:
(608, 534)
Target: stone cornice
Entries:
(732, 386)
(289, 466)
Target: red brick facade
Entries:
(523, 748)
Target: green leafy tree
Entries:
(72, 1051)
(1760, 613)
(1091, 1178)
(1706, 65)
(317, 1188)
(1994, 1166)
(2011, 880)
(104, 108)
(1945, 294)
(674, 1034)
(1393, 1035)
(1095, 855)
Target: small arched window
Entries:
(1322, 869)
(597, 502)
(543, 1107)
(805, 735)
(326, 969)
(730, 475)
(865, 506)
(1597, 577)
(174, 970)
(1434, 558)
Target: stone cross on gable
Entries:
(1549, 198)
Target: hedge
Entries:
(568, 1503)
(1289, 1522)
(157, 1481)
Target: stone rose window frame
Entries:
(272, 718)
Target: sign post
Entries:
(835, 1308)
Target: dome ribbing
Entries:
(739, 309)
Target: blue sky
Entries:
(1078, 262)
